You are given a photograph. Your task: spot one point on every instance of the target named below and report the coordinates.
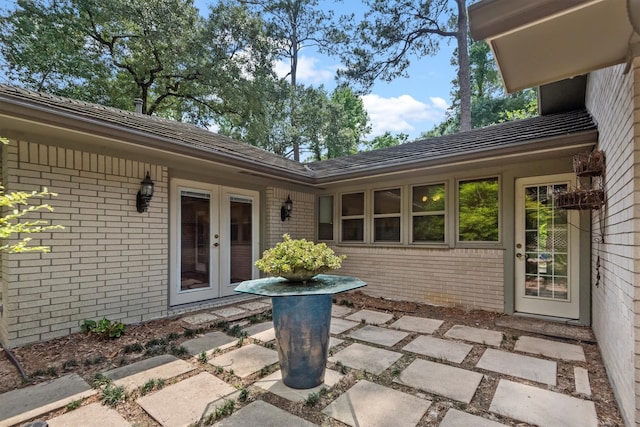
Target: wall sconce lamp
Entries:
(285, 210)
(144, 194)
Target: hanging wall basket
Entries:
(589, 164)
(579, 199)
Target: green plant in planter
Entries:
(298, 259)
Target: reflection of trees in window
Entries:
(428, 213)
(478, 210)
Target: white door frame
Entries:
(220, 240)
(227, 193)
(569, 308)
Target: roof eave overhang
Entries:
(576, 141)
(12, 107)
(543, 41)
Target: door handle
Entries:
(518, 255)
(215, 245)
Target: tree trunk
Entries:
(463, 67)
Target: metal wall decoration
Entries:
(589, 194)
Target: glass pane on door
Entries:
(195, 231)
(546, 246)
(241, 238)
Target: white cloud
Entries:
(308, 70)
(403, 113)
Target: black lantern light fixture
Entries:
(144, 194)
(285, 210)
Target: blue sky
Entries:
(409, 105)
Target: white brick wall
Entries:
(469, 278)
(615, 105)
(301, 225)
(109, 261)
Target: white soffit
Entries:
(579, 40)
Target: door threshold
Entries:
(212, 303)
(554, 327)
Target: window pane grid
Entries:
(386, 215)
(428, 213)
(352, 217)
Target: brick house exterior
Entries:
(111, 261)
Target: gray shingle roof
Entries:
(178, 133)
(522, 135)
(477, 141)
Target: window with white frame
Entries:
(428, 213)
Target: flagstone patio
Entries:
(383, 371)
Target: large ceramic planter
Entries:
(302, 326)
(302, 319)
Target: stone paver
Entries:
(582, 380)
(262, 331)
(481, 336)
(89, 416)
(159, 367)
(517, 365)
(454, 383)
(371, 317)
(274, 384)
(200, 318)
(373, 405)
(377, 335)
(340, 310)
(229, 312)
(338, 325)
(246, 360)
(333, 342)
(254, 305)
(542, 407)
(371, 359)
(265, 415)
(437, 348)
(549, 348)
(417, 324)
(29, 402)
(455, 418)
(208, 342)
(183, 403)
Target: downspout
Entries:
(12, 359)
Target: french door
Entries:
(547, 249)
(213, 240)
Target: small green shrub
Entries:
(292, 256)
(100, 380)
(152, 384)
(103, 328)
(202, 357)
(112, 394)
(73, 405)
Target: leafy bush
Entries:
(103, 328)
(292, 256)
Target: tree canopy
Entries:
(161, 51)
(490, 103)
(395, 31)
